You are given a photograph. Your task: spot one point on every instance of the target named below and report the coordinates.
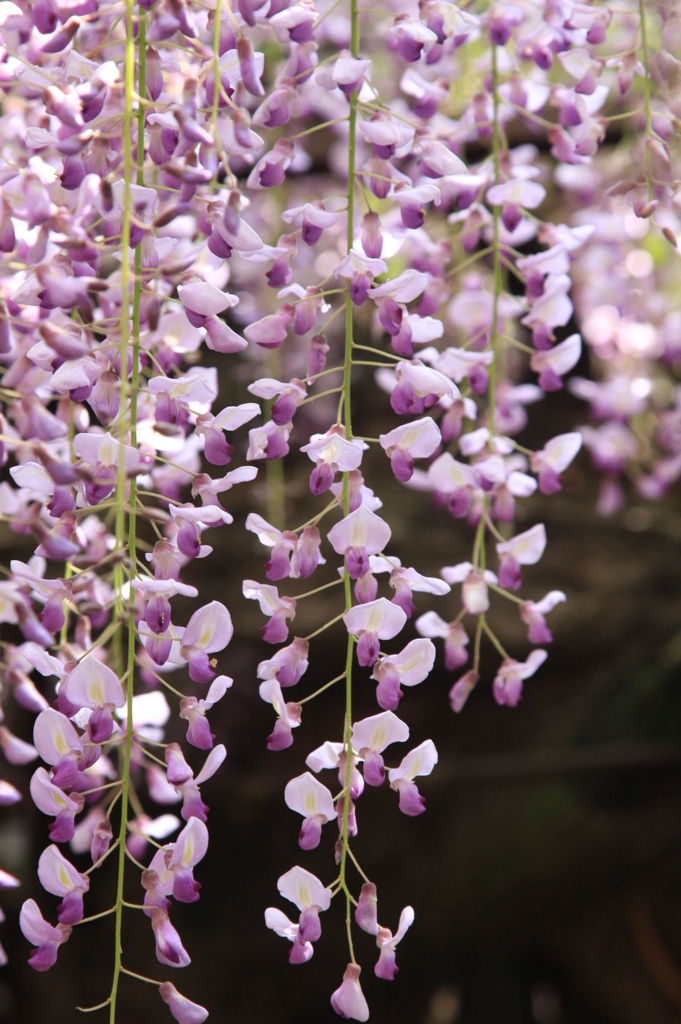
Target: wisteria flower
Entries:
(193, 711)
(183, 1010)
(371, 622)
(308, 894)
(360, 534)
(408, 668)
(348, 1001)
(288, 715)
(44, 936)
(417, 440)
(508, 682)
(385, 940)
(310, 798)
(278, 608)
(332, 453)
(209, 630)
(554, 459)
(94, 685)
(419, 761)
(58, 876)
(524, 549)
(288, 664)
(371, 736)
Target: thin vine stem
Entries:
(347, 418)
(122, 540)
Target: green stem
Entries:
(646, 92)
(347, 372)
(496, 255)
(121, 540)
(322, 688)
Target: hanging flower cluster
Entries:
(322, 213)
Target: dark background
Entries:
(546, 873)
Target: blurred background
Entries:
(546, 873)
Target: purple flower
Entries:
(348, 1001)
(209, 630)
(52, 800)
(287, 665)
(508, 682)
(360, 534)
(310, 897)
(371, 736)
(288, 715)
(278, 608)
(58, 876)
(183, 1010)
(385, 940)
(462, 688)
(193, 711)
(169, 948)
(419, 761)
(93, 685)
(314, 801)
(45, 936)
(371, 622)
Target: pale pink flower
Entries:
(474, 593)
(514, 194)
(53, 801)
(288, 715)
(287, 665)
(308, 894)
(278, 608)
(269, 441)
(371, 736)
(533, 615)
(453, 633)
(348, 1001)
(209, 630)
(287, 395)
(360, 534)
(332, 453)
(192, 521)
(183, 1010)
(553, 459)
(419, 387)
(41, 934)
(310, 798)
(462, 688)
(283, 545)
(17, 751)
(552, 309)
(508, 682)
(553, 363)
(193, 711)
(523, 549)
(58, 876)
(405, 580)
(419, 761)
(189, 848)
(416, 440)
(60, 745)
(371, 622)
(91, 684)
(386, 942)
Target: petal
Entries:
(379, 731)
(304, 889)
(381, 617)
(92, 684)
(309, 797)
